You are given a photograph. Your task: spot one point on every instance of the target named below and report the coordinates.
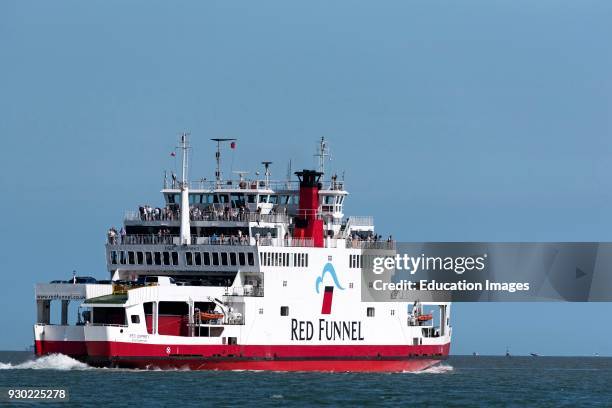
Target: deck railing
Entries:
(209, 216)
(362, 244)
(153, 239)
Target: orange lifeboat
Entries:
(425, 317)
(210, 316)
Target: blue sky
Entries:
(472, 120)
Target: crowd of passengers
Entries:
(170, 213)
(163, 236)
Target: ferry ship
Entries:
(245, 274)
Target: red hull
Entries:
(373, 365)
(355, 358)
(75, 349)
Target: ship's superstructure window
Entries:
(114, 257)
(140, 257)
(232, 258)
(206, 258)
(370, 312)
(300, 260)
(149, 258)
(135, 319)
(109, 315)
(157, 258)
(215, 258)
(166, 258)
(198, 258)
(131, 257)
(284, 311)
(241, 258)
(189, 258)
(148, 311)
(275, 258)
(251, 259)
(175, 258)
(224, 258)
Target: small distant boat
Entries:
(534, 354)
(475, 354)
(508, 352)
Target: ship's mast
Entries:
(185, 224)
(322, 153)
(267, 172)
(218, 177)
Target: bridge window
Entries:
(109, 315)
(251, 198)
(284, 311)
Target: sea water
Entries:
(460, 381)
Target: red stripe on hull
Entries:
(69, 348)
(415, 364)
(277, 358)
(342, 358)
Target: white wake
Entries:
(437, 369)
(50, 362)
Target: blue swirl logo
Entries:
(328, 269)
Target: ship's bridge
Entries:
(243, 201)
